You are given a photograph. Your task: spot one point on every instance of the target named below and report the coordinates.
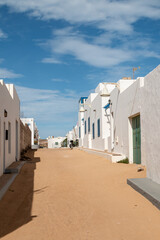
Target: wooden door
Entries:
(136, 139)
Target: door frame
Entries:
(130, 135)
(16, 141)
(4, 146)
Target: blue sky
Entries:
(57, 51)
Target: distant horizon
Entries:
(54, 53)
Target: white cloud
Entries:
(70, 93)
(36, 94)
(118, 72)
(2, 34)
(5, 73)
(54, 111)
(51, 60)
(99, 51)
(66, 41)
(112, 74)
(47, 105)
(110, 15)
(150, 54)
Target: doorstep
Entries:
(7, 179)
(148, 188)
(113, 157)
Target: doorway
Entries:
(4, 146)
(136, 127)
(16, 140)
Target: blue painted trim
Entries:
(81, 99)
(107, 106)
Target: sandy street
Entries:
(74, 195)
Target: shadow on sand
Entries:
(16, 205)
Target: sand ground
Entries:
(74, 195)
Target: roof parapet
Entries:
(10, 88)
(1, 82)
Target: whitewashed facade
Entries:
(93, 119)
(9, 126)
(34, 131)
(124, 104)
(140, 101)
(55, 142)
(72, 135)
(69, 137)
(124, 119)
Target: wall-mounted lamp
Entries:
(109, 101)
(82, 109)
(5, 113)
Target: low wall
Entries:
(25, 137)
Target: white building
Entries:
(135, 122)
(93, 120)
(69, 136)
(34, 131)
(9, 126)
(55, 142)
(72, 135)
(124, 119)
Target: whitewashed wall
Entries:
(75, 133)
(125, 103)
(9, 101)
(72, 135)
(150, 108)
(69, 137)
(81, 125)
(55, 142)
(142, 98)
(94, 108)
(34, 130)
(128, 99)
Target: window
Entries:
(93, 135)
(89, 125)
(98, 127)
(79, 132)
(56, 143)
(9, 137)
(85, 127)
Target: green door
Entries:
(136, 140)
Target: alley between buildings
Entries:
(64, 194)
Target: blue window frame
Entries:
(98, 127)
(79, 132)
(93, 134)
(85, 127)
(89, 125)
